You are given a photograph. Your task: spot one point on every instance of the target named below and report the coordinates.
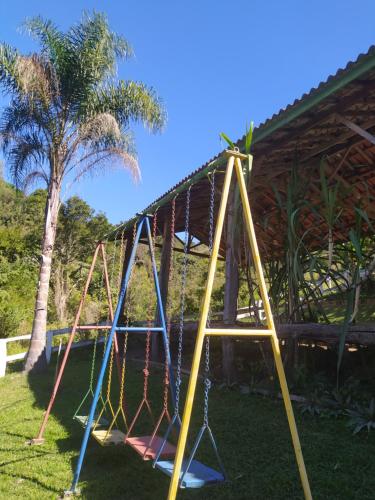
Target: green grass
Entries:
(335, 309)
(252, 435)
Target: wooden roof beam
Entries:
(296, 132)
(340, 143)
(357, 129)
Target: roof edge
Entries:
(356, 69)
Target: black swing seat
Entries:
(105, 438)
(82, 420)
(197, 476)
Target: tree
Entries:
(68, 115)
(78, 230)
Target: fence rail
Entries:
(6, 358)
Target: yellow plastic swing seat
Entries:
(149, 450)
(105, 438)
(82, 420)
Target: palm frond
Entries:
(15, 118)
(97, 163)
(52, 41)
(32, 178)
(93, 50)
(23, 116)
(67, 106)
(100, 126)
(25, 155)
(33, 78)
(127, 101)
(94, 30)
(8, 58)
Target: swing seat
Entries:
(82, 420)
(105, 438)
(142, 446)
(197, 476)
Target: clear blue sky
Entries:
(216, 64)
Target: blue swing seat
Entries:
(197, 476)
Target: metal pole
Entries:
(234, 157)
(200, 336)
(161, 313)
(39, 439)
(105, 361)
(110, 307)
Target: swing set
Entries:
(98, 329)
(102, 421)
(149, 446)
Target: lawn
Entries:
(252, 435)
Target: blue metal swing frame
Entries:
(144, 221)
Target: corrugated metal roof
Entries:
(343, 76)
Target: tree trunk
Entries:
(61, 293)
(36, 360)
(230, 291)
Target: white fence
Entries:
(5, 358)
(245, 312)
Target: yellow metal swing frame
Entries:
(234, 163)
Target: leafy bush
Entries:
(337, 403)
(9, 320)
(362, 417)
(313, 405)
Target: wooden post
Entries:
(125, 263)
(164, 262)
(156, 346)
(231, 289)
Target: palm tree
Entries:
(68, 115)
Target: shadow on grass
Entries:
(12, 405)
(107, 471)
(29, 457)
(251, 432)
(32, 479)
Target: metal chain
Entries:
(112, 270)
(182, 301)
(153, 236)
(207, 381)
(123, 247)
(105, 331)
(92, 371)
(146, 370)
(110, 373)
(127, 307)
(169, 304)
(93, 360)
(110, 368)
(107, 319)
(123, 369)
